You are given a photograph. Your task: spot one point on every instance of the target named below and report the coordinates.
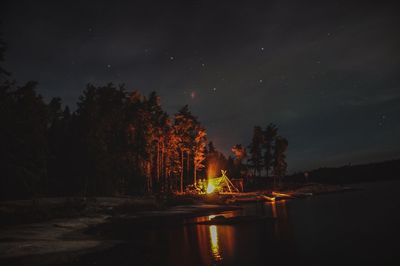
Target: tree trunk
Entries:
(194, 174)
(148, 173)
(162, 170)
(188, 165)
(181, 171)
(158, 160)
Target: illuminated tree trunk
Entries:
(162, 169)
(188, 165)
(194, 175)
(181, 171)
(158, 161)
(149, 181)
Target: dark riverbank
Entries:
(103, 224)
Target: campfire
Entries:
(220, 184)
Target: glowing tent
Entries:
(221, 184)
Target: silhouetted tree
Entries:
(23, 124)
(138, 143)
(270, 135)
(102, 129)
(255, 151)
(239, 168)
(279, 163)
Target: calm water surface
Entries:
(353, 228)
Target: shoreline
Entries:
(64, 240)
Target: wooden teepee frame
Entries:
(224, 179)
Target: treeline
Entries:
(114, 143)
(388, 170)
(263, 160)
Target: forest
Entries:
(115, 142)
(349, 174)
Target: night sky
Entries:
(326, 73)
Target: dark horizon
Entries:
(325, 73)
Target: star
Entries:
(214, 89)
(262, 48)
(203, 65)
(261, 81)
(193, 94)
(171, 58)
(382, 120)
(108, 66)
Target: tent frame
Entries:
(228, 183)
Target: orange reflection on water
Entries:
(211, 217)
(273, 209)
(228, 214)
(214, 243)
(279, 211)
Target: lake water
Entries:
(359, 227)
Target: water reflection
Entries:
(273, 209)
(311, 231)
(214, 243)
(279, 211)
(217, 243)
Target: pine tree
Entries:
(240, 154)
(270, 134)
(172, 159)
(279, 163)
(158, 120)
(199, 151)
(255, 150)
(185, 124)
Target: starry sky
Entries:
(326, 72)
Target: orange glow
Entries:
(267, 198)
(214, 243)
(273, 209)
(212, 170)
(279, 211)
(210, 188)
(280, 194)
(210, 217)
